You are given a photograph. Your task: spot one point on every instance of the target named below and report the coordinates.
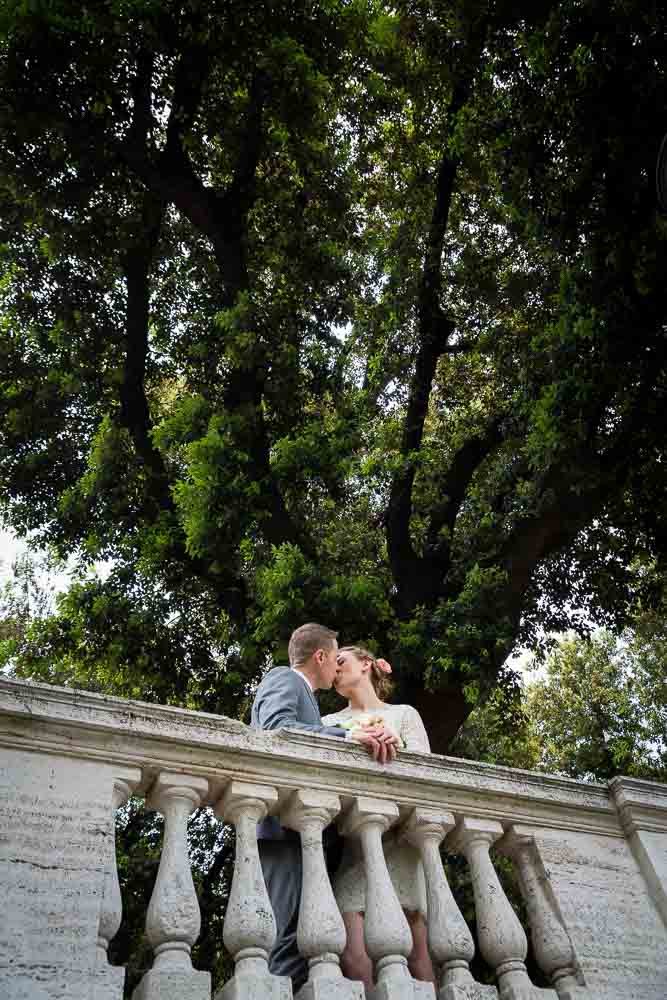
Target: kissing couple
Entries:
(285, 699)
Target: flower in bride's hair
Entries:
(384, 666)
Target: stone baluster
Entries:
(502, 940)
(250, 926)
(449, 939)
(110, 979)
(320, 930)
(551, 943)
(386, 930)
(173, 919)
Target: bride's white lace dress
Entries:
(407, 875)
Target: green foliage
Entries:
(119, 635)
(500, 731)
(453, 636)
(601, 710)
(596, 708)
(343, 311)
(289, 587)
(138, 848)
(26, 599)
(460, 882)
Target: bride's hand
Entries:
(378, 739)
(380, 728)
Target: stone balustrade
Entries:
(591, 859)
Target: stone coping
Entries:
(642, 805)
(38, 717)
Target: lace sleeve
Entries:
(412, 731)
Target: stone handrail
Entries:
(591, 859)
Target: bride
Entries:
(364, 681)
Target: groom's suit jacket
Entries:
(284, 701)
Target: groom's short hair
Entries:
(306, 639)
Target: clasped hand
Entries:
(380, 741)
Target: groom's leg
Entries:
(333, 848)
(281, 865)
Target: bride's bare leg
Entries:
(419, 960)
(355, 961)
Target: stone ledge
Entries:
(642, 805)
(73, 722)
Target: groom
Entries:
(285, 699)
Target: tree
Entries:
(26, 597)
(501, 730)
(602, 710)
(597, 707)
(346, 311)
(599, 711)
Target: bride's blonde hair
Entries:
(379, 679)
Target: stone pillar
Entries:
(110, 979)
(386, 930)
(173, 920)
(320, 931)
(250, 927)
(642, 810)
(502, 940)
(449, 939)
(551, 943)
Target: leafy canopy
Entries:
(597, 706)
(343, 311)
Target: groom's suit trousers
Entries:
(284, 701)
(281, 865)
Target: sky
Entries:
(10, 548)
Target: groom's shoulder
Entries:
(277, 677)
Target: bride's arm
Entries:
(371, 731)
(413, 732)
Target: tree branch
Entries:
(575, 491)
(134, 411)
(169, 173)
(223, 219)
(402, 557)
(571, 508)
(136, 263)
(242, 192)
(435, 330)
(454, 487)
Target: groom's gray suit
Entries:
(284, 700)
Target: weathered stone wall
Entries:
(618, 936)
(55, 838)
(601, 851)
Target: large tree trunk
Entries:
(443, 711)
